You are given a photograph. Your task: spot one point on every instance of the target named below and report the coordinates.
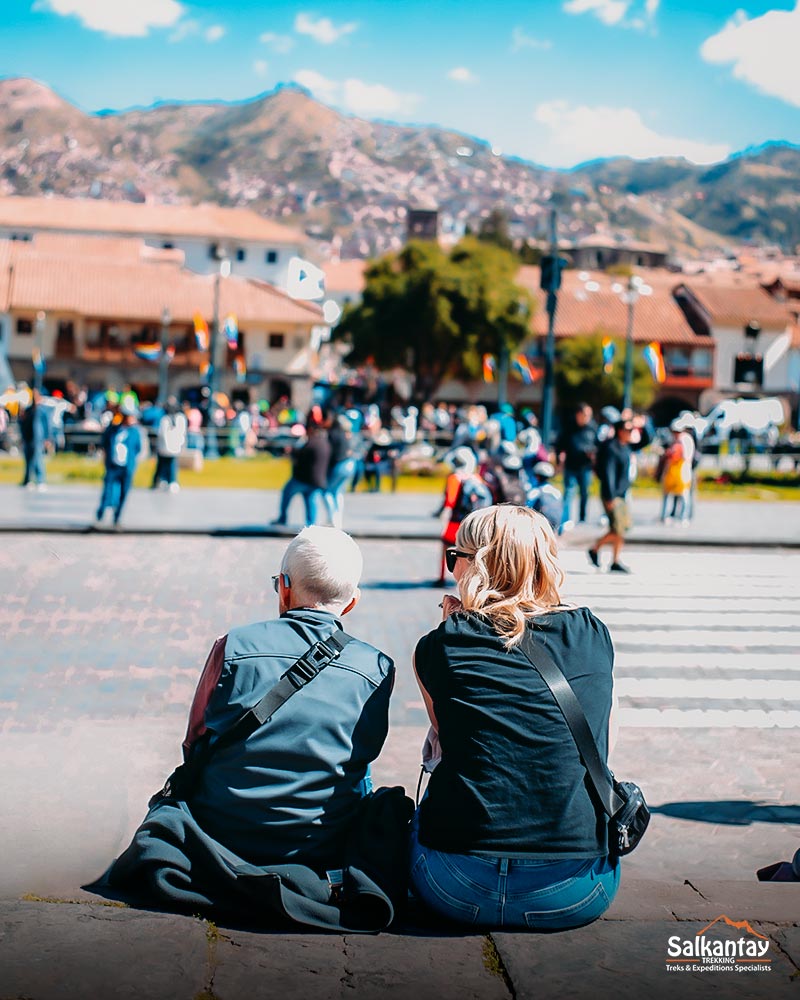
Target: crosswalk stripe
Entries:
(718, 690)
(668, 718)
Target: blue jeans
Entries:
(116, 484)
(310, 494)
(510, 892)
(580, 480)
(340, 475)
(34, 464)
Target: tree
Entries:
(580, 375)
(437, 314)
(494, 229)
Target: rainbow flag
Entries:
(231, 329)
(200, 332)
(655, 361)
(38, 360)
(239, 368)
(609, 350)
(170, 352)
(488, 367)
(522, 365)
(147, 352)
(205, 368)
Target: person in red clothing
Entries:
(464, 491)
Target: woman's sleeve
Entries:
(425, 662)
(451, 488)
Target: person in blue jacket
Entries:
(121, 443)
(34, 429)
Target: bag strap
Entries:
(575, 717)
(302, 671)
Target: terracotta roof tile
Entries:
(737, 305)
(129, 218)
(121, 288)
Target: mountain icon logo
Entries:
(738, 925)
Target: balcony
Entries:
(688, 377)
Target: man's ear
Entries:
(353, 601)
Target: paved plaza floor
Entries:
(104, 639)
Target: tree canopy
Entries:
(438, 313)
(580, 375)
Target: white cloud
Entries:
(260, 67)
(582, 133)
(609, 11)
(184, 29)
(356, 95)
(320, 86)
(520, 39)
(120, 17)
(615, 12)
(763, 51)
(278, 43)
(376, 99)
(462, 75)
(214, 33)
(322, 30)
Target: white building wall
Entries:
(198, 256)
(774, 347)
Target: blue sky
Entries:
(556, 82)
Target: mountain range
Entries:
(348, 181)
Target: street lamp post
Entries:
(212, 443)
(163, 358)
(630, 298)
(502, 376)
(38, 368)
(551, 280)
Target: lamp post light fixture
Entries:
(38, 367)
(163, 358)
(212, 443)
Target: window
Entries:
(272, 256)
(677, 361)
(241, 253)
(748, 369)
(167, 246)
(703, 362)
(276, 341)
(213, 251)
(24, 327)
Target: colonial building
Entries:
(256, 247)
(91, 306)
(598, 252)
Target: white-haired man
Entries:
(289, 791)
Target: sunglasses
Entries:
(451, 555)
(277, 579)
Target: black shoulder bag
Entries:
(183, 781)
(622, 801)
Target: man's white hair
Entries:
(324, 566)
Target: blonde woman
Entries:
(508, 834)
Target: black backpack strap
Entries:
(311, 663)
(575, 718)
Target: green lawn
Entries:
(263, 472)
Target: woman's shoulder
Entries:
(574, 619)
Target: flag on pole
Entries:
(521, 364)
(205, 369)
(170, 353)
(609, 350)
(200, 332)
(38, 361)
(147, 352)
(239, 368)
(488, 367)
(655, 361)
(231, 328)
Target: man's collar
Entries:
(316, 615)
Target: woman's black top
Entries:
(511, 782)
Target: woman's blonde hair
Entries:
(514, 570)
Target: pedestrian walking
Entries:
(464, 492)
(675, 468)
(34, 429)
(121, 444)
(170, 442)
(576, 448)
(614, 462)
(309, 477)
(341, 467)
